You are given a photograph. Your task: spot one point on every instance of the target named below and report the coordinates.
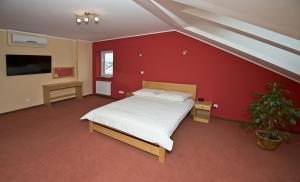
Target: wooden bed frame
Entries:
(152, 148)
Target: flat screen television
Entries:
(27, 64)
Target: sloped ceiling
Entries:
(266, 33)
(118, 18)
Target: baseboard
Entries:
(240, 121)
(38, 105)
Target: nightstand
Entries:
(202, 111)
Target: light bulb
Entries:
(78, 20)
(96, 18)
(86, 19)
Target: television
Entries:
(27, 64)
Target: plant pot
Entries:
(264, 142)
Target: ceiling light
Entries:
(96, 18)
(86, 17)
(78, 20)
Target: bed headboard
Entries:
(188, 88)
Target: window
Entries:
(107, 59)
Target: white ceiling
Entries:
(264, 32)
(118, 18)
(281, 16)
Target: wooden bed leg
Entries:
(91, 126)
(162, 155)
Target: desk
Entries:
(47, 88)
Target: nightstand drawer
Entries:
(204, 107)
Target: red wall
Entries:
(221, 77)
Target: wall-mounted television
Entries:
(27, 64)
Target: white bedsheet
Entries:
(147, 118)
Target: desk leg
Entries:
(46, 93)
(78, 91)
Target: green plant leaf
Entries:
(286, 136)
(270, 110)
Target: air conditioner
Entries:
(28, 39)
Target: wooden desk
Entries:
(47, 88)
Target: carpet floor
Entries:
(51, 144)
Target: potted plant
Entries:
(270, 112)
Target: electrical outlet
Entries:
(215, 105)
(121, 92)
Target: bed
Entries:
(144, 122)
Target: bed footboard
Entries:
(148, 147)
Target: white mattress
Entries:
(147, 118)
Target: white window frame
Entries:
(103, 64)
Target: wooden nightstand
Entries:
(202, 111)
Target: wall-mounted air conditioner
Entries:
(28, 40)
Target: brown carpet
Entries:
(52, 144)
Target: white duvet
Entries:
(147, 118)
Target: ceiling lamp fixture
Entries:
(86, 17)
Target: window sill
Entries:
(105, 76)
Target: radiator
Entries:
(103, 87)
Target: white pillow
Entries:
(147, 92)
(174, 96)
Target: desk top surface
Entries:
(72, 83)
